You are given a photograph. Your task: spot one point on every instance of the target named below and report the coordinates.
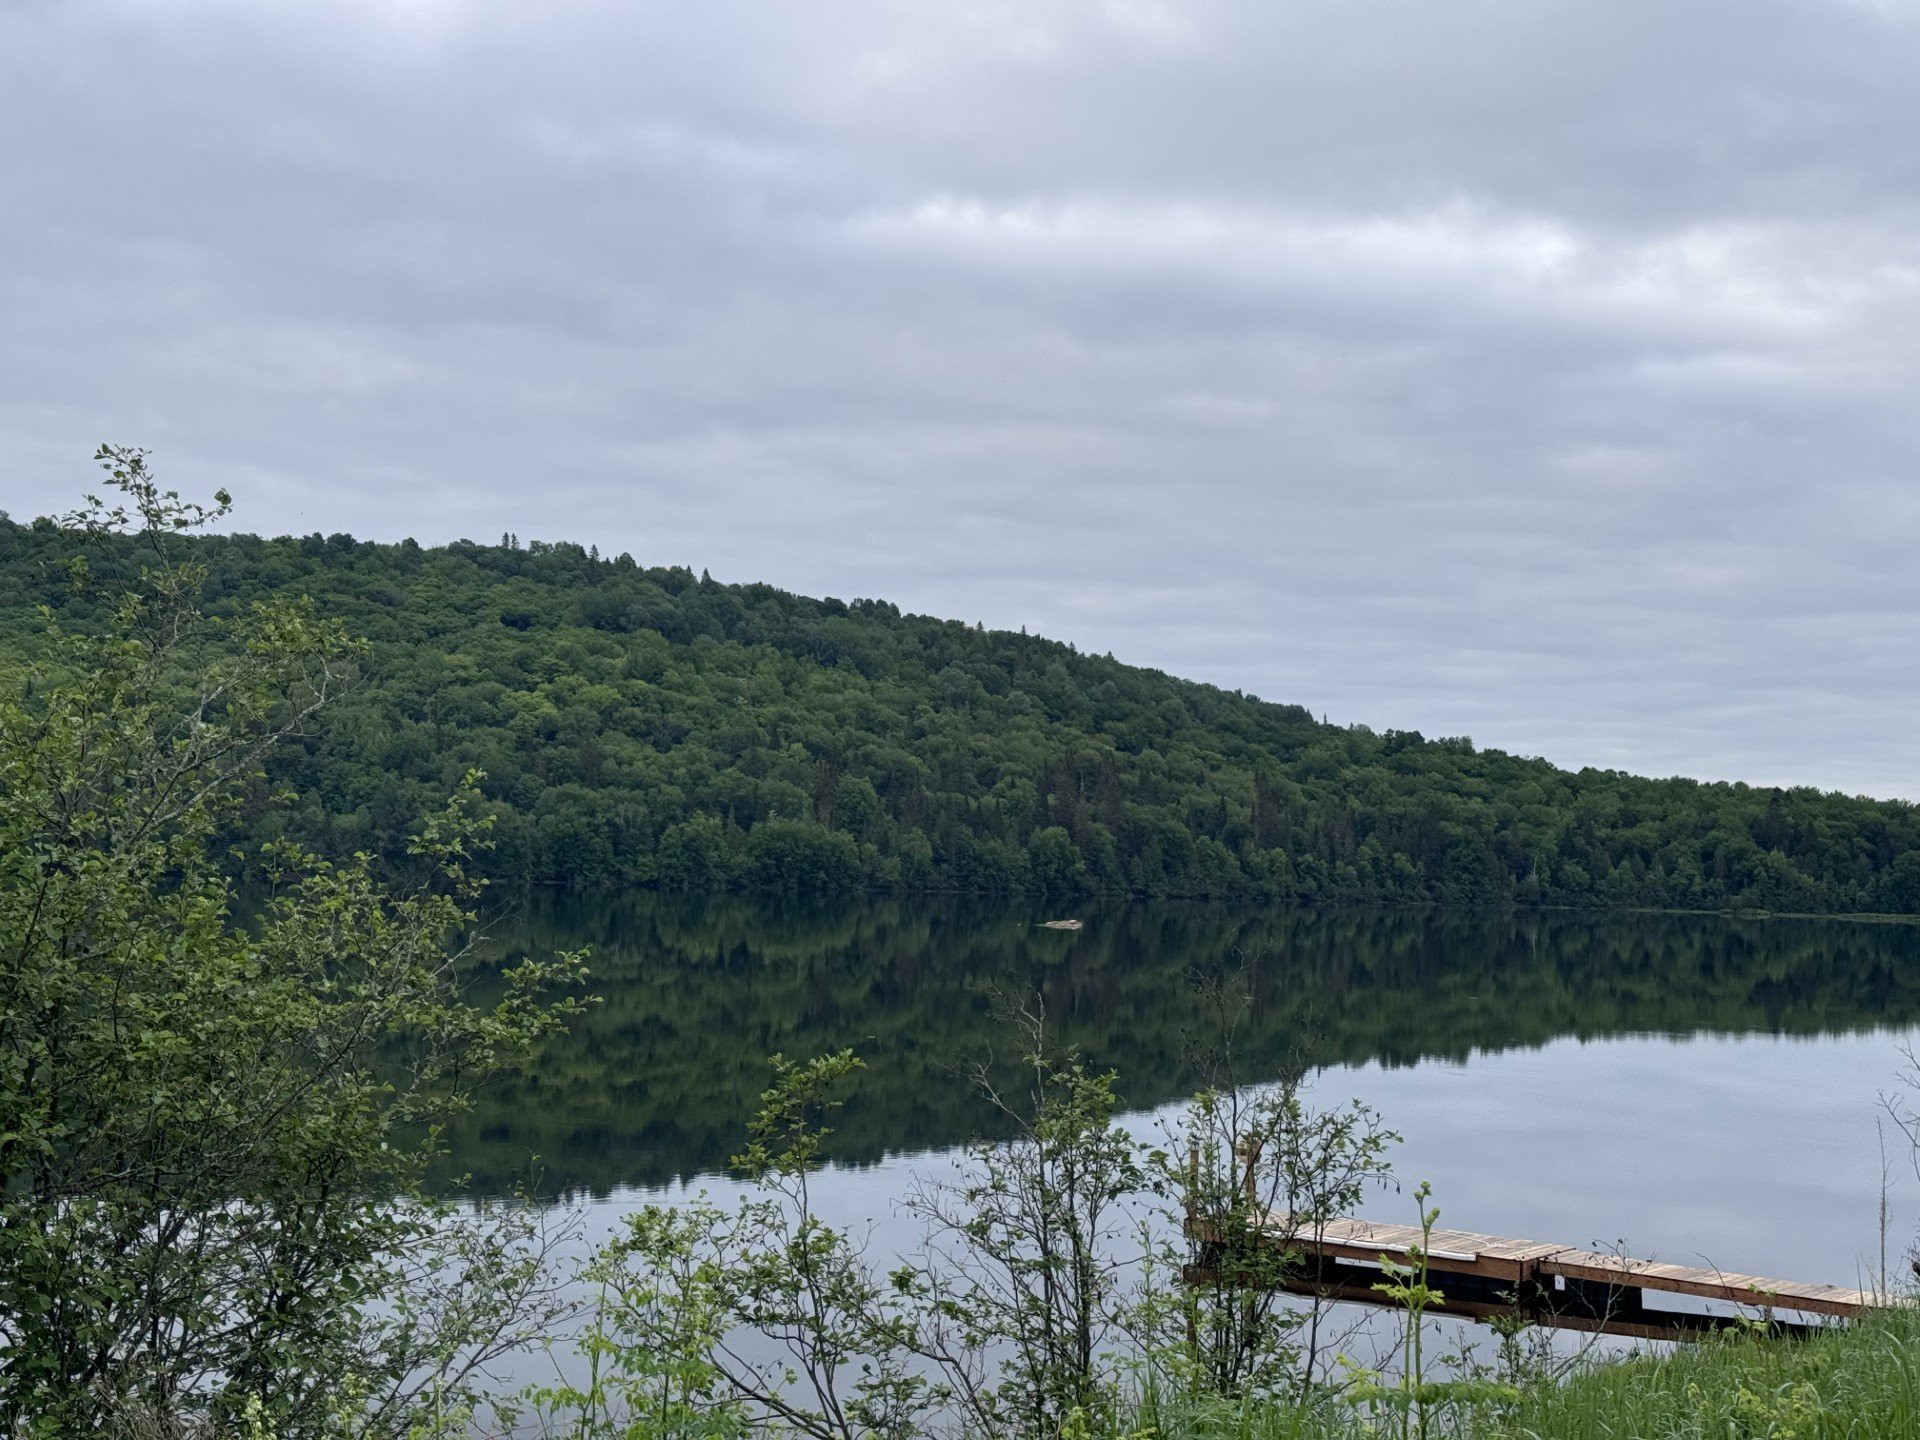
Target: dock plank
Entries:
(1757, 1291)
(1461, 1252)
(1547, 1267)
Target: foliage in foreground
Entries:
(1046, 1283)
(1028, 1316)
(207, 1214)
(651, 726)
(1861, 1382)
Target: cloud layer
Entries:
(1535, 371)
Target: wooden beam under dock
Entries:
(1487, 1276)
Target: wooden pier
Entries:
(1484, 1276)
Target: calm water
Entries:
(1703, 1090)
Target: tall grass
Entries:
(1860, 1382)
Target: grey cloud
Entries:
(1534, 371)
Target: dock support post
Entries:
(1598, 1300)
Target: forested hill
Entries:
(649, 726)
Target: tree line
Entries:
(643, 726)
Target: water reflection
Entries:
(695, 993)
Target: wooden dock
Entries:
(1484, 1276)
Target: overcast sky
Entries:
(1540, 372)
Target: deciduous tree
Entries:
(209, 1209)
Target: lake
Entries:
(1698, 1089)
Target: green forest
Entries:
(653, 727)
